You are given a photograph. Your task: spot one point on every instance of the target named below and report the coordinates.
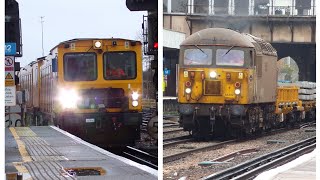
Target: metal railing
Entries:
(251, 10)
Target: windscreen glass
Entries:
(80, 67)
(229, 57)
(119, 65)
(198, 56)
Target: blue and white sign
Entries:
(10, 49)
(166, 72)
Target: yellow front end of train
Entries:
(94, 87)
(227, 82)
(215, 85)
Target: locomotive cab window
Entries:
(197, 56)
(119, 65)
(229, 57)
(80, 67)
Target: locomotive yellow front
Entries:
(226, 79)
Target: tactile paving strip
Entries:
(45, 164)
(24, 131)
(47, 170)
(39, 149)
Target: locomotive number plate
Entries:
(90, 120)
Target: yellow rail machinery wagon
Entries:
(227, 84)
(92, 88)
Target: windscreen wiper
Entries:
(200, 49)
(228, 51)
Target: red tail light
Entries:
(188, 84)
(237, 84)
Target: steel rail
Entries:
(177, 138)
(183, 154)
(141, 157)
(176, 142)
(170, 125)
(304, 125)
(250, 169)
(172, 131)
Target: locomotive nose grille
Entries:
(212, 88)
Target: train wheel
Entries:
(36, 120)
(187, 122)
(55, 121)
(310, 116)
(40, 119)
(29, 119)
(220, 128)
(58, 122)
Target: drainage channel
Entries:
(85, 171)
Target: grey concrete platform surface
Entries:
(303, 167)
(47, 152)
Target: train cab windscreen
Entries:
(229, 57)
(80, 67)
(198, 56)
(119, 65)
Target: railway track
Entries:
(176, 138)
(147, 114)
(141, 157)
(170, 125)
(185, 153)
(173, 131)
(308, 124)
(250, 169)
(177, 141)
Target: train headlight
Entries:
(213, 74)
(68, 98)
(135, 103)
(188, 90)
(237, 91)
(97, 44)
(135, 96)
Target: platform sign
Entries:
(9, 71)
(9, 78)
(10, 89)
(10, 49)
(10, 96)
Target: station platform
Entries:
(47, 152)
(303, 167)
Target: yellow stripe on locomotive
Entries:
(207, 85)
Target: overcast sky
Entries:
(69, 19)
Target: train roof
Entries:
(228, 37)
(85, 39)
(218, 36)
